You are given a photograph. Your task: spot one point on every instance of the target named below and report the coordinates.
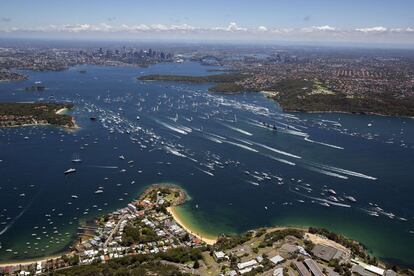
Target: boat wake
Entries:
(323, 144)
(104, 167)
(325, 172)
(241, 146)
(322, 200)
(277, 151)
(280, 160)
(170, 127)
(239, 130)
(342, 171)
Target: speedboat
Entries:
(332, 191)
(351, 198)
(71, 170)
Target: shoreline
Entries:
(31, 261)
(72, 128)
(346, 112)
(271, 94)
(173, 212)
(185, 225)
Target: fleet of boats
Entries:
(199, 135)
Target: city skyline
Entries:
(260, 21)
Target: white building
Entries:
(247, 264)
(277, 259)
(219, 255)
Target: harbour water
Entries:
(352, 174)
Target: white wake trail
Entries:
(323, 144)
(343, 171)
(170, 127)
(280, 160)
(239, 130)
(241, 146)
(325, 172)
(277, 151)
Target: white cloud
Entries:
(233, 30)
(325, 28)
(402, 30)
(378, 29)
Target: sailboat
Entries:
(76, 158)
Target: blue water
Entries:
(240, 175)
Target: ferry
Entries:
(71, 170)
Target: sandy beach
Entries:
(61, 111)
(30, 261)
(177, 218)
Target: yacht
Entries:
(351, 198)
(71, 170)
(332, 191)
(333, 198)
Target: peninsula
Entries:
(299, 95)
(27, 114)
(143, 238)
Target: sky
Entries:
(359, 21)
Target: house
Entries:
(259, 259)
(326, 253)
(313, 267)
(390, 272)
(301, 268)
(219, 255)
(245, 270)
(363, 269)
(232, 273)
(242, 266)
(132, 208)
(278, 271)
(277, 259)
(359, 270)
